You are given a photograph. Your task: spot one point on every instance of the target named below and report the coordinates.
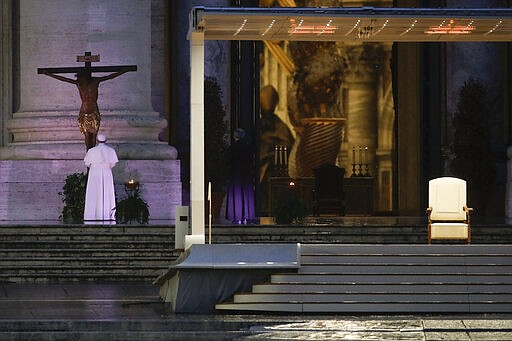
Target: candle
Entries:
(209, 191)
(360, 155)
(131, 184)
(285, 155)
(353, 154)
(275, 155)
(280, 155)
(366, 154)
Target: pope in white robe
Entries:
(100, 201)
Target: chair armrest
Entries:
(468, 210)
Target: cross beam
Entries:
(87, 59)
(76, 69)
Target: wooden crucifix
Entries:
(89, 116)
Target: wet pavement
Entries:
(136, 307)
(392, 328)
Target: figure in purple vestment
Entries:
(240, 200)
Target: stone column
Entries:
(386, 129)
(52, 33)
(360, 78)
(5, 67)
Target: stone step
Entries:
(355, 269)
(149, 335)
(405, 250)
(151, 245)
(388, 279)
(399, 278)
(80, 253)
(163, 252)
(62, 277)
(372, 307)
(18, 262)
(352, 232)
(362, 288)
(85, 237)
(73, 244)
(134, 329)
(100, 268)
(59, 228)
(384, 260)
(341, 298)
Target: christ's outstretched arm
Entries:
(111, 76)
(61, 78)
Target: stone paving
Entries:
(135, 310)
(390, 328)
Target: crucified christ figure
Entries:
(89, 116)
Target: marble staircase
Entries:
(388, 279)
(35, 254)
(53, 253)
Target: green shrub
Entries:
(133, 207)
(73, 194)
(288, 207)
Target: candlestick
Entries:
(209, 212)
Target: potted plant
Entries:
(133, 207)
(73, 194)
(288, 207)
(216, 146)
(473, 160)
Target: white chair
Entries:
(448, 215)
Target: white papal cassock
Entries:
(100, 202)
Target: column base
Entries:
(55, 135)
(30, 188)
(76, 151)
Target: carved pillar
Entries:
(386, 128)
(360, 79)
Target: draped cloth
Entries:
(240, 201)
(100, 202)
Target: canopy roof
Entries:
(362, 24)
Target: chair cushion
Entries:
(449, 231)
